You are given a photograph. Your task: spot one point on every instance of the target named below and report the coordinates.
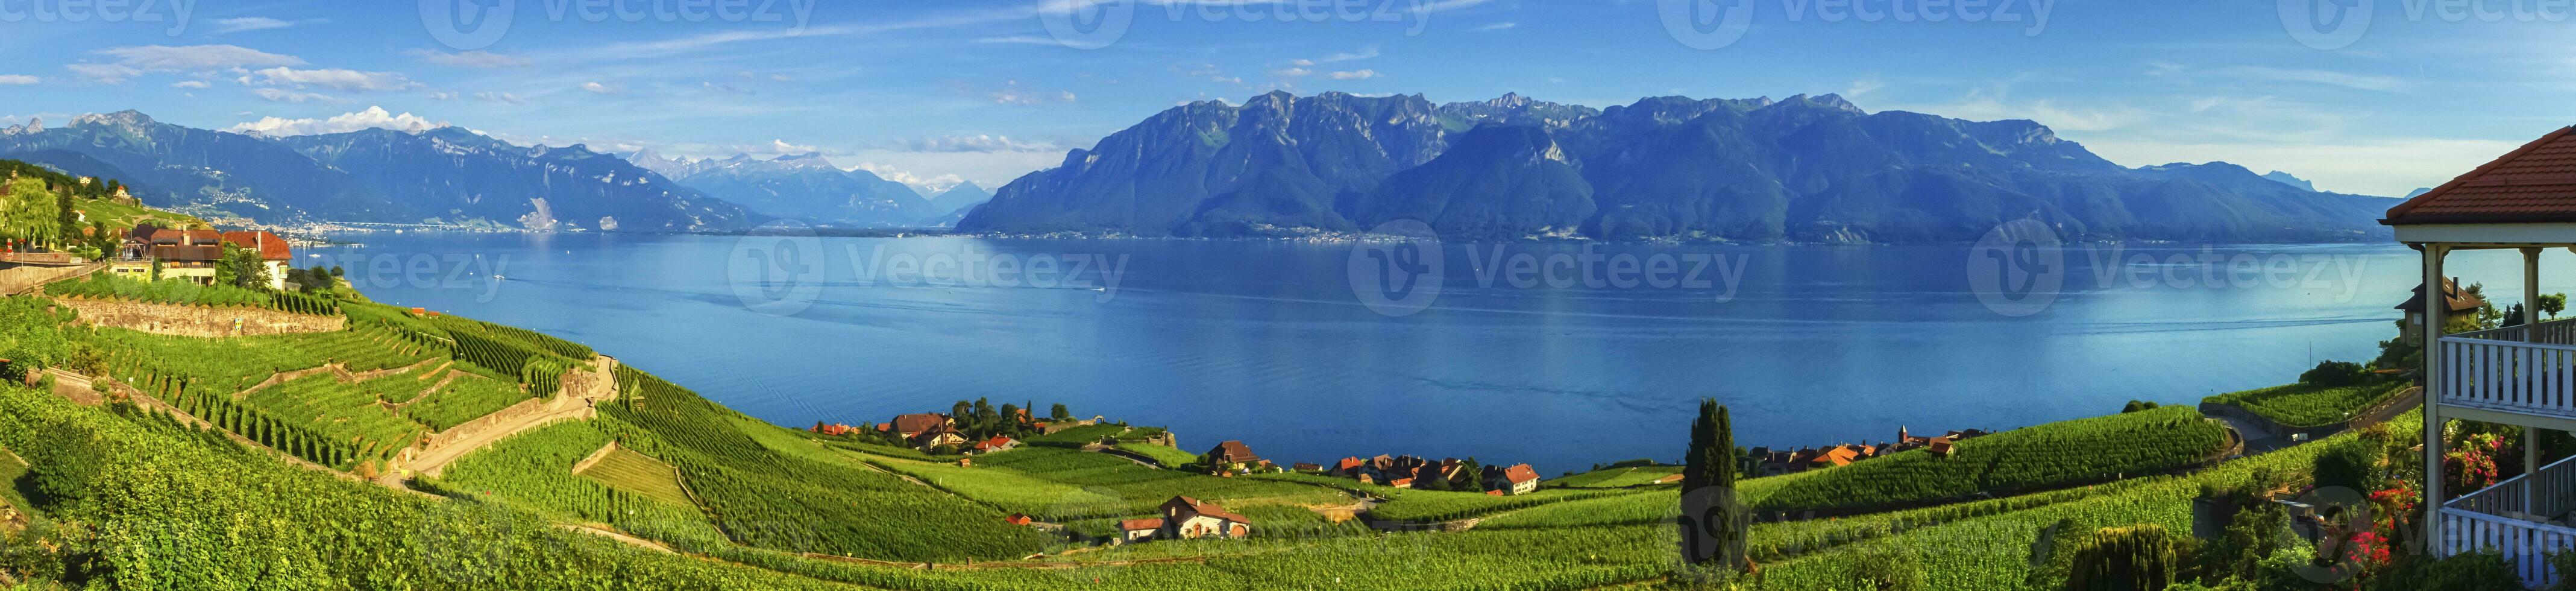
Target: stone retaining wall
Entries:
(199, 321)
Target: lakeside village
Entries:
(987, 429)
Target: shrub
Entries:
(2334, 374)
(2480, 571)
(2349, 464)
(2138, 557)
(1895, 570)
(2137, 405)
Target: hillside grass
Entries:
(1161, 454)
(1992, 552)
(625, 470)
(2030, 458)
(2305, 405)
(1066, 485)
(1616, 477)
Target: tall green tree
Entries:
(1713, 522)
(28, 212)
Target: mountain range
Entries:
(445, 175)
(1809, 169)
(809, 188)
(1804, 169)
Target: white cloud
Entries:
(599, 88)
(1991, 105)
(1344, 57)
(335, 79)
(891, 173)
(190, 84)
(139, 60)
(1496, 26)
(256, 23)
(18, 79)
(501, 97)
(1013, 93)
(471, 59)
(729, 88)
(782, 147)
(975, 143)
(1863, 87)
(442, 95)
(2324, 77)
(372, 117)
(1354, 75)
(288, 96)
(1292, 72)
(2386, 167)
(1019, 40)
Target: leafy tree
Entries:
(2334, 374)
(1470, 476)
(242, 268)
(28, 212)
(1060, 413)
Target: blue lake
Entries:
(1266, 341)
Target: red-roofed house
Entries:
(2523, 201)
(1019, 519)
(273, 251)
(1519, 479)
(997, 443)
(1189, 519)
(913, 425)
(1137, 530)
(834, 430)
(1234, 452)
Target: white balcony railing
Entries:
(2524, 369)
(2515, 517)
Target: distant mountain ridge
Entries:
(1806, 168)
(446, 175)
(805, 187)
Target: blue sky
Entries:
(932, 91)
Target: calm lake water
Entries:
(1266, 342)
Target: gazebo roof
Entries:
(2534, 183)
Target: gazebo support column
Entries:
(2435, 306)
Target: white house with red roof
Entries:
(2524, 201)
(1186, 518)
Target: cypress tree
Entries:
(1713, 525)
